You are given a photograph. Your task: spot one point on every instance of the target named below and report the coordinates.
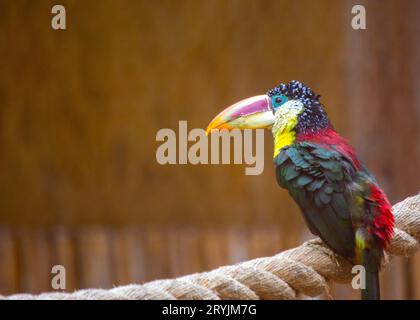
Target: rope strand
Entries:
(305, 269)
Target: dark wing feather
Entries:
(318, 179)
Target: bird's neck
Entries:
(284, 137)
(294, 120)
(285, 124)
(329, 138)
(290, 133)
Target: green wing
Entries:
(318, 180)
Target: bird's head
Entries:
(293, 104)
(288, 109)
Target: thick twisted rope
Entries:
(305, 269)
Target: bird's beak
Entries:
(252, 113)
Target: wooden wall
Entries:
(79, 112)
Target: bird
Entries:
(339, 198)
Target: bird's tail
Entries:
(371, 265)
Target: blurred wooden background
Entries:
(79, 111)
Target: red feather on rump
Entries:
(383, 223)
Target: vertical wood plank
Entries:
(8, 262)
(94, 257)
(63, 252)
(129, 257)
(156, 243)
(119, 256)
(291, 238)
(341, 291)
(416, 276)
(34, 264)
(264, 241)
(238, 244)
(392, 280)
(184, 251)
(215, 252)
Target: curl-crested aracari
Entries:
(339, 198)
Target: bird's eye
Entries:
(279, 100)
